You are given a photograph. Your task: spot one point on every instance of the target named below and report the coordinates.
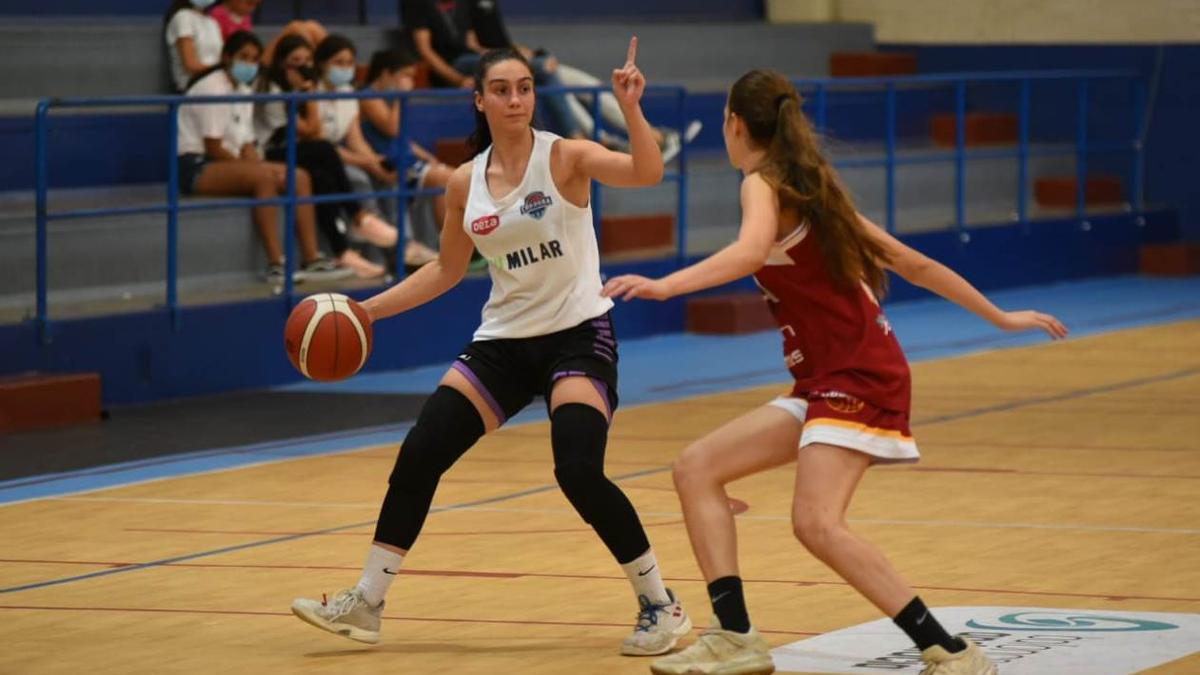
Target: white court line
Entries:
(657, 514)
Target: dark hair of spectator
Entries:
(232, 46)
(174, 8)
(277, 73)
(330, 46)
(481, 138)
(388, 61)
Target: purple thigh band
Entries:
(483, 391)
(598, 384)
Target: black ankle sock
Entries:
(729, 604)
(917, 621)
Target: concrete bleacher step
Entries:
(1175, 259)
(728, 314)
(44, 400)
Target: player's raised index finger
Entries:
(631, 56)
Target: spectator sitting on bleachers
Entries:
(235, 15)
(367, 170)
(395, 70)
(217, 156)
(483, 29)
(193, 40)
(293, 70)
(438, 33)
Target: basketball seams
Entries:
(313, 322)
(362, 334)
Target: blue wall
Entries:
(226, 347)
(1172, 145)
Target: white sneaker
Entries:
(719, 652)
(671, 145)
(970, 661)
(658, 627)
(348, 615)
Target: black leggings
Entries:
(328, 173)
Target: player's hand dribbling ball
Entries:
(328, 337)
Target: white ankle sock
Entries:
(646, 578)
(379, 572)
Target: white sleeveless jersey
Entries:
(541, 252)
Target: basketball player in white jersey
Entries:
(523, 202)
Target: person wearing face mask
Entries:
(217, 156)
(367, 169)
(293, 70)
(379, 119)
(193, 40)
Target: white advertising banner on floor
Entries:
(1021, 640)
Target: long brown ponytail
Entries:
(804, 179)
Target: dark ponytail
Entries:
(805, 181)
(481, 138)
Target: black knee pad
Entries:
(579, 436)
(447, 427)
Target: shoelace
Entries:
(343, 604)
(647, 617)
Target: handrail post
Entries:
(890, 161)
(1081, 134)
(960, 160)
(402, 196)
(1023, 156)
(822, 107)
(597, 195)
(1137, 177)
(289, 219)
(42, 185)
(173, 214)
(681, 211)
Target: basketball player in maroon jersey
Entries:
(822, 267)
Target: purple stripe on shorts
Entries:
(483, 391)
(597, 383)
(603, 351)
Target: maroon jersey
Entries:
(835, 341)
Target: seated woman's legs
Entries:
(263, 180)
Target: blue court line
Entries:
(977, 412)
(291, 537)
(652, 370)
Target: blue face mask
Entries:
(202, 4)
(339, 76)
(243, 72)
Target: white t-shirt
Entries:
(337, 115)
(206, 36)
(541, 252)
(233, 123)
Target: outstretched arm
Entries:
(920, 270)
(443, 273)
(760, 223)
(643, 165)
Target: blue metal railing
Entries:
(822, 88)
(290, 200)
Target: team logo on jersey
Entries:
(536, 204)
(485, 225)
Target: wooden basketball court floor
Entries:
(1061, 475)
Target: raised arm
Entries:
(443, 273)
(760, 223)
(643, 165)
(920, 270)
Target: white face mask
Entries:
(202, 4)
(339, 76)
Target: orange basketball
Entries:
(328, 337)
